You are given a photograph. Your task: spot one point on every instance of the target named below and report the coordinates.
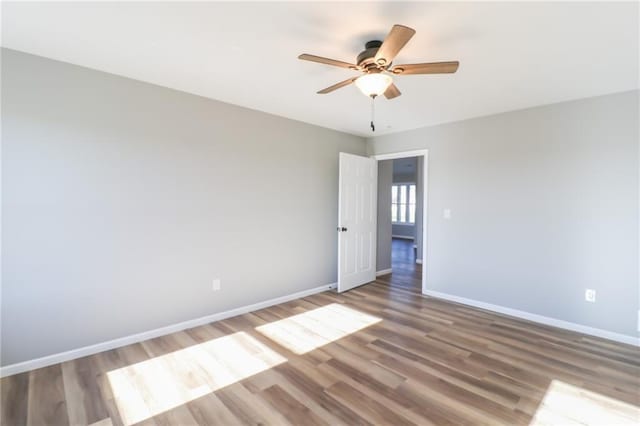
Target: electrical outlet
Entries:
(216, 284)
(590, 295)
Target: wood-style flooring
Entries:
(406, 273)
(379, 354)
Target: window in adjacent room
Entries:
(403, 203)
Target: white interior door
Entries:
(357, 221)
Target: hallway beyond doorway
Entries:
(406, 273)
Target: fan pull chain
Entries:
(373, 113)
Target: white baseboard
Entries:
(383, 272)
(419, 261)
(402, 237)
(610, 335)
(45, 361)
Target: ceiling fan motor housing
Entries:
(366, 58)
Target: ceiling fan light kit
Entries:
(375, 61)
(374, 84)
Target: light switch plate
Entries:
(446, 214)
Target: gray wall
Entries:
(122, 201)
(385, 178)
(544, 203)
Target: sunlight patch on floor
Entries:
(148, 388)
(565, 404)
(307, 331)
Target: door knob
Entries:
(344, 229)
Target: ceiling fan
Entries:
(376, 64)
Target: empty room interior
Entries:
(320, 213)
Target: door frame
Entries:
(407, 154)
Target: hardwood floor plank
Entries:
(14, 391)
(315, 391)
(209, 410)
(382, 395)
(310, 403)
(295, 412)
(46, 399)
(417, 371)
(85, 403)
(108, 361)
(180, 415)
(364, 406)
(103, 422)
(250, 408)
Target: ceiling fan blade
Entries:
(337, 86)
(396, 39)
(327, 61)
(392, 92)
(428, 68)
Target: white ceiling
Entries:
(512, 55)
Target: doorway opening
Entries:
(401, 225)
